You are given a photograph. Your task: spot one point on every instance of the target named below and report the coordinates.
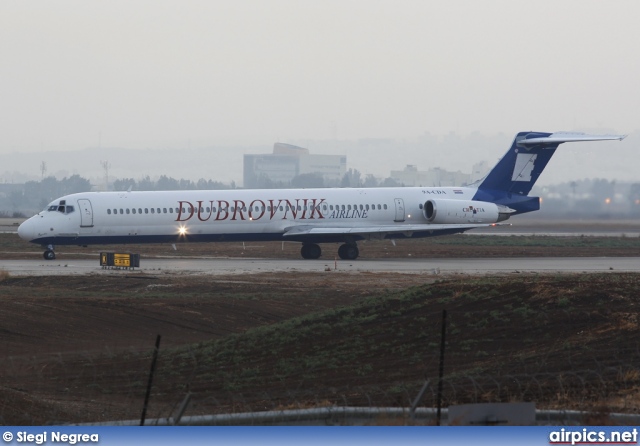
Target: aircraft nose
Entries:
(26, 230)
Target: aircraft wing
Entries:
(408, 230)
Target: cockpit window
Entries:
(60, 208)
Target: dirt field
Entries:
(77, 349)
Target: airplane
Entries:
(308, 216)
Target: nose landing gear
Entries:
(49, 254)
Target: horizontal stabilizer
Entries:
(560, 137)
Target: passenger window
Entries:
(109, 211)
(152, 210)
(132, 210)
(164, 210)
(146, 210)
(139, 210)
(121, 211)
(385, 206)
(367, 207)
(171, 210)
(127, 210)
(420, 205)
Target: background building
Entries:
(437, 177)
(280, 168)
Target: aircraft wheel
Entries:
(348, 252)
(310, 251)
(49, 255)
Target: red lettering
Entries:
(221, 210)
(274, 209)
(200, 209)
(316, 207)
(239, 206)
(190, 209)
(294, 210)
(262, 209)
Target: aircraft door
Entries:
(399, 210)
(86, 213)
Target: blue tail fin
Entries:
(512, 178)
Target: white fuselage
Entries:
(133, 217)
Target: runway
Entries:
(225, 266)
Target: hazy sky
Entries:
(163, 74)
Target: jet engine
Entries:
(464, 211)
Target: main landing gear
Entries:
(348, 251)
(310, 251)
(49, 254)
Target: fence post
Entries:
(441, 372)
(416, 401)
(153, 368)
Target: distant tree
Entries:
(186, 184)
(370, 181)
(634, 198)
(146, 184)
(602, 190)
(75, 184)
(203, 184)
(390, 182)
(167, 183)
(352, 178)
(125, 184)
(37, 194)
(263, 182)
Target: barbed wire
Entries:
(89, 386)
